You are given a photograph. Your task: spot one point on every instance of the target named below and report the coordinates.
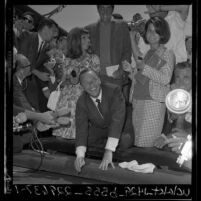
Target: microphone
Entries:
(22, 128)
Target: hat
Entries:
(137, 19)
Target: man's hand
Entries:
(79, 163)
(41, 127)
(140, 65)
(126, 66)
(107, 159)
(46, 117)
(21, 118)
(179, 132)
(160, 142)
(43, 76)
(176, 143)
(117, 74)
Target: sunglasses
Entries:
(28, 20)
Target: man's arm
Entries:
(18, 96)
(127, 50)
(115, 129)
(81, 122)
(117, 119)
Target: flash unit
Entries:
(179, 101)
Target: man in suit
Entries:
(22, 108)
(100, 115)
(110, 40)
(34, 46)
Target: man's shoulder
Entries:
(121, 24)
(82, 98)
(92, 25)
(110, 87)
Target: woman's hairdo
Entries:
(74, 42)
(161, 27)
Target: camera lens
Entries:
(73, 73)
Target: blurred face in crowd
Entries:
(91, 83)
(49, 33)
(85, 42)
(183, 78)
(24, 67)
(53, 43)
(105, 13)
(62, 45)
(189, 45)
(151, 35)
(28, 22)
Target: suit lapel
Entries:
(93, 109)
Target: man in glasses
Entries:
(25, 108)
(28, 18)
(24, 23)
(22, 71)
(34, 46)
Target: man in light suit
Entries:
(34, 46)
(100, 115)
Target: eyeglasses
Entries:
(28, 20)
(26, 66)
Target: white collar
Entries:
(20, 81)
(99, 97)
(40, 40)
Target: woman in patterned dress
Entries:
(151, 84)
(79, 58)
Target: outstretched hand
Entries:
(79, 163)
(107, 159)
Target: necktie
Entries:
(99, 107)
(40, 48)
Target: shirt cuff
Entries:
(45, 88)
(80, 151)
(112, 143)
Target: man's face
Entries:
(183, 78)
(91, 83)
(26, 68)
(28, 22)
(50, 33)
(189, 45)
(105, 13)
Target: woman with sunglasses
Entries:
(78, 59)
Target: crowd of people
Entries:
(80, 85)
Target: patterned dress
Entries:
(71, 92)
(149, 92)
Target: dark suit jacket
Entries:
(120, 44)
(27, 44)
(19, 97)
(91, 129)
